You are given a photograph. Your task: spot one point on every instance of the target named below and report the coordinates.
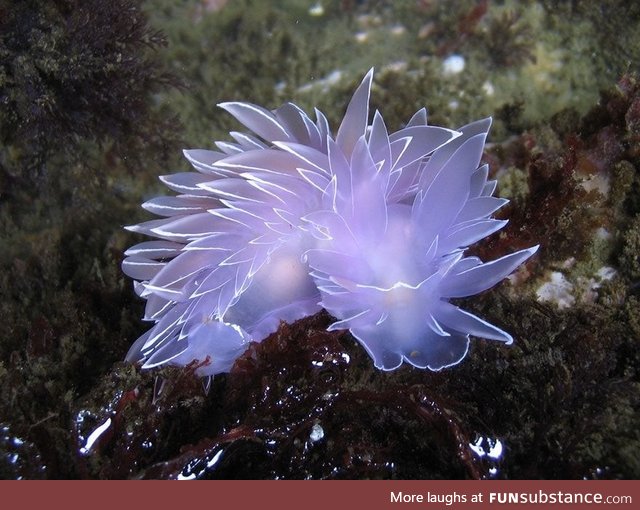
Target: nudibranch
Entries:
(289, 218)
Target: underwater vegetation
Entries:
(560, 402)
(72, 71)
(76, 118)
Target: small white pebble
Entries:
(398, 29)
(488, 88)
(454, 64)
(557, 290)
(606, 273)
(316, 9)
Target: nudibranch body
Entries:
(283, 222)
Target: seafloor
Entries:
(97, 98)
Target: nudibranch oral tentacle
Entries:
(288, 219)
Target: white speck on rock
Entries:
(317, 433)
(316, 9)
(606, 273)
(488, 88)
(453, 64)
(557, 290)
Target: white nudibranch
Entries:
(290, 218)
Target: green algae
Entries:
(74, 71)
(629, 258)
(514, 184)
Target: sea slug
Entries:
(289, 219)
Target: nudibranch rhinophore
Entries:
(290, 218)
